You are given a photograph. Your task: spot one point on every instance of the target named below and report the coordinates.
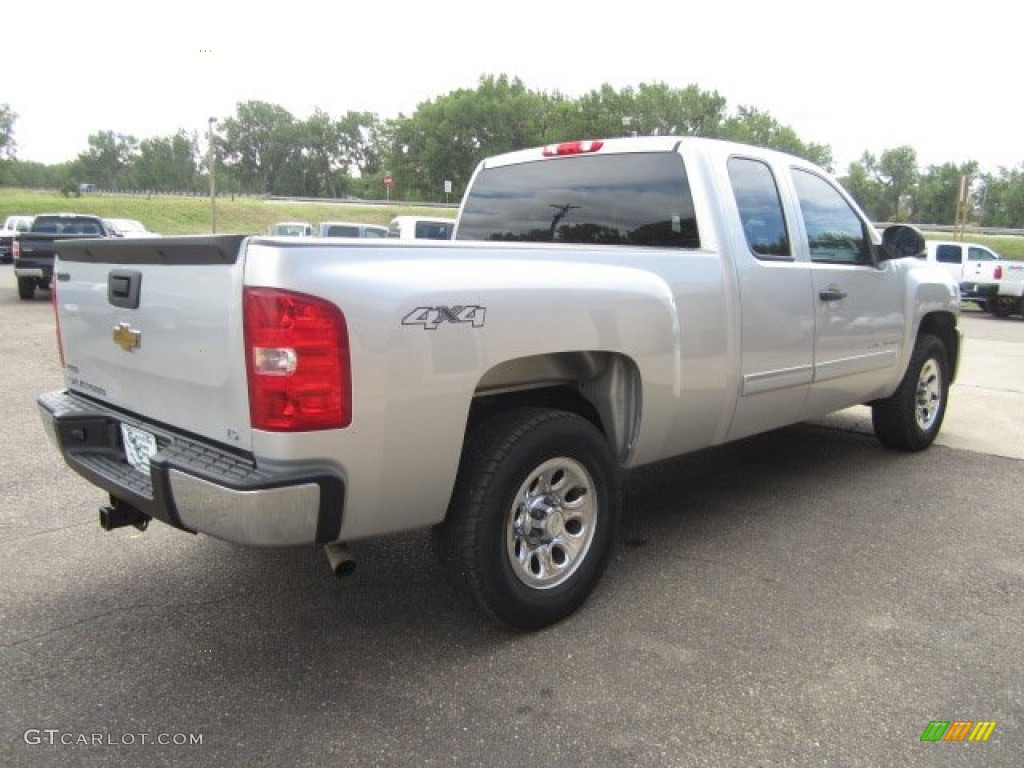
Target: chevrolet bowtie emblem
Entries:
(126, 337)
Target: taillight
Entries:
(15, 250)
(998, 273)
(572, 148)
(297, 361)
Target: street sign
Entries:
(388, 180)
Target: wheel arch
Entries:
(602, 387)
(943, 325)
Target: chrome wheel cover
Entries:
(551, 523)
(928, 398)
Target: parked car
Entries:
(351, 229)
(12, 226)
(975, 268)
(291, 229)
(128, 228)
(34, 251)
(421, 228)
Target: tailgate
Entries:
(154, 327)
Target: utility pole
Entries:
(962, 208)
(211, 157)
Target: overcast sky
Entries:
(859, 76)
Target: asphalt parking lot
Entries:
(801, 598)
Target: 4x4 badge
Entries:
(126, 337)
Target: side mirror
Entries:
(900, 241)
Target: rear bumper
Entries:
(978, 291)
(195, 485)
(39, 272)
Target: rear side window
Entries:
(949, 254)
(341, 230)
(757, 198)
(624, 199)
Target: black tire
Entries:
(1000, 307)
(911, 417)
(532, 518)
(26, 288)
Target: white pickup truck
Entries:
(604, 305)
(975, 268)
(1009, 298)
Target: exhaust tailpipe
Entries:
(340, 559)
(119, 515)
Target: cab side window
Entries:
(835, 233)
(980, 254)
(757, 198)
(949, 254)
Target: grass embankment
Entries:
(175, 215)
(178, 215)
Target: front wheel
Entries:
(532, 517)
(911, 417)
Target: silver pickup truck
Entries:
(603, 305)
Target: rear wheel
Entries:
(532, 517)
(1000, 306)
(911, 417)
(26, 288)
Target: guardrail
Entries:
(951, 229)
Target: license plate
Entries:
(139, 446)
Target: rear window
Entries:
(65, 226)
(624, 199)
(434, 230)
(342, 230)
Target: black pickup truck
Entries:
(34, 250)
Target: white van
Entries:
(421, 228)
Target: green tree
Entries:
(754, 126)
(897, 169)
(658, 109)
(884, 187)
(1002, 203)
(167, 164)
(863, 184)
(107, 161)
(258, 143)
(8, 146)
(446, 138)
(938, 190)
(359, 135)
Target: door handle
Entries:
(832, 293)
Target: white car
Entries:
(12, 226)
(129, 228)
(421, 228)
(291, 229)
